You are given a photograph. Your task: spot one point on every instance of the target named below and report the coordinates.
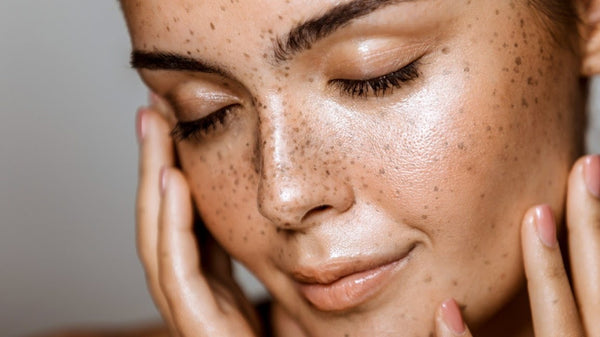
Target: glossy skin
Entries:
(302, 176)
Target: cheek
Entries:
(223, 183)
(464, 164)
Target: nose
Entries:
(300, 179)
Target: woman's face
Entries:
(396, 143)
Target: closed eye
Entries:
(198, 129)
(378, 86)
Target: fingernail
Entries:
(546, 226)
(163, 180)
(452, 316)
(591, 174)
(140, 124)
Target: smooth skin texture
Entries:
(450, 165)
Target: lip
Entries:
(342, 285)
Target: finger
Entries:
(449, 321)
(583, 221)
(591, 61)
(552, 303)
(189, 296)
(156, 151)
(215, 260)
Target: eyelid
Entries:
(372, 57)
(198, 102)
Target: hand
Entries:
(195, 294)
(554, 308)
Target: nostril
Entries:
(320, 208)
(315, 210)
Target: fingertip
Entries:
(545, 225)
(172, 179)
(452, 316)
(140, 124)
(449, 320)
(163, 176)
(591, 174)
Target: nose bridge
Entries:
(294, 181)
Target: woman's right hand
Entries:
(196, 296)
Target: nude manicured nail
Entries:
(546, 226)
(140, 124)
(163, 180)
(591, 175)
(452, 316)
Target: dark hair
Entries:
(560, 17)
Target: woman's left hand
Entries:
(556, 309)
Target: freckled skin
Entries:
(450, 161)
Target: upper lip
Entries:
(334, 270)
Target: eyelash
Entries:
(198, 129)
(379, 86)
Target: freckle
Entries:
(445, 50)
(246, 55)
(461, 146)
(424, 217)
(487, 262)
(455, 283)
(482, 196)
(191, 32)
(427, 279)
(212, 26)
(467, 69)
(168, 29)
(518, 60)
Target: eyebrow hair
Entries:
(303, 36)
(171, 61)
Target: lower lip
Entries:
(352, 290)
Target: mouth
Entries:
(341, 286)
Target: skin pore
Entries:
(471, 115)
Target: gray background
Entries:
(68, 160)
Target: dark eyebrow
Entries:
(303, 36)
(172, 61)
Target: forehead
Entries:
(156, 24)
